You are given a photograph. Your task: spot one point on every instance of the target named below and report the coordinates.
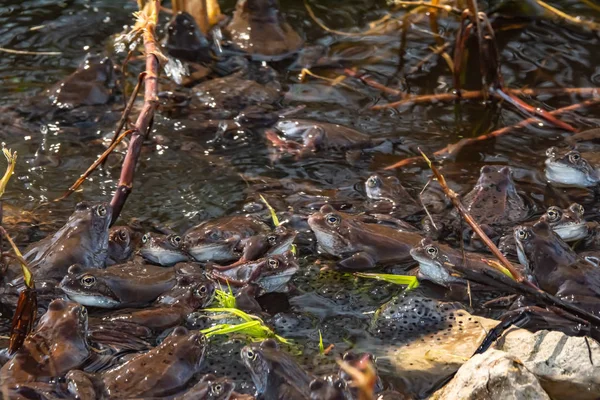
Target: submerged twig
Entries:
(455, 147)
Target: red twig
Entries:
(143, 124)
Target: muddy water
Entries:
(177, 189)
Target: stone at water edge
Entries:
(490, 376)
(567, 367)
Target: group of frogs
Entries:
(143, 289)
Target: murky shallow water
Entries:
(178, 189)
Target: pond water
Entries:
(187, 174)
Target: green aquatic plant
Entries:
(275, 219)
(225, 299)
(411, 281)
(252, 326)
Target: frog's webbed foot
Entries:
(361, 261)
(80, 385)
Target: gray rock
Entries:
(490, 376)
(567, 367)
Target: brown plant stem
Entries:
(366, 79)
(477, 94)
(543, 114)
(144, 121)
(129, 106)
(455, 147)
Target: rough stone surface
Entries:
(567, 367)
(490, 376)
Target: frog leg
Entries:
(361, 261)
(80, 385)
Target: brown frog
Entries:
(259, 28)
(163, 371)
(494, 199)
(275, 373)
(165, 250)
(271, 274)
(82, 240)
(57, 345)
(360, 245)
(302, 137)
(556, 268)
(226, 239)
(186, 41)
(119, 286)
(121, 244)
(192, 292)
(568, 223)
(444, 265)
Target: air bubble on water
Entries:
(176, 70)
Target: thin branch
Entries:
(95, 165)
(455, 147)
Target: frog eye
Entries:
(250, 355)
(214, 235)
(431, 251)
(145, 238)
(553, 214)
(577, 208)
(123, 234)
(332, 219)
(202, 289)
(574, 157)
(273, 263)
(176, 241)
(216, 389)
(272, 239)
(373, 182)
(522, 234)
(101, 211)
(88, 280)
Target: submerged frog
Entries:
(388, 189)
(275, 373)
(572, 168)
(121, 244)
(259, 28)
(225, 239)
(57, 345)
(271, 274)
(305, 136)
(186, 41)
(119, 286)
(556, 268)
(568, 223)
(165, 250)
(361, 245)
(224, 99)
(494, 199)
(163, 371)
(209, 387)
(82, 240)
